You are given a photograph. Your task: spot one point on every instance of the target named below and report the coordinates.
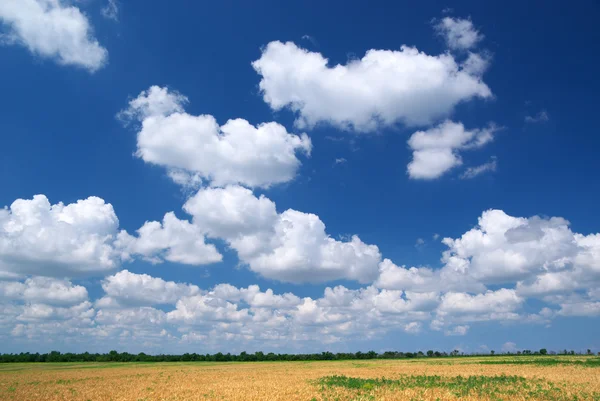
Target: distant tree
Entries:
(589, 351)
(543, 351)
(54, 356)
(492, 352)
(430, 353)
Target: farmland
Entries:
(498, 378)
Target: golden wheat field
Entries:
(431, 379)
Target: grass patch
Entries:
(489, 387)
(541, 361)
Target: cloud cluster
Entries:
(291, 246)
(521, 257)
(542, 255)
(52, 29)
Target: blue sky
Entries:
(478, 132)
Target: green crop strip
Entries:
(493, 387)
(587, 363)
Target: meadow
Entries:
(431, 379)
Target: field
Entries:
(497, 378)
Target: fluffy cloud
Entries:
(542, 254)
(291, 246)
(174, 240)
(460, 34)
(232, 212)
(301, 251)
(53, 29)
(236, 152)
(385, 87)
(57, 240)
(128, 288)
(435, 151)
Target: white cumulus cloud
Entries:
(57, 240)
(52, 29)
(128, 288)
(542, 254)
(234, 153)
(383, 88)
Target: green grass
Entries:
(544, 361)
(494, 387)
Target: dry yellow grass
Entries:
(285, 381)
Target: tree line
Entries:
(114, 356)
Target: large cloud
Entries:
(435, 151)
(236, 152)
(52, 29)
(57, 240)
(385, 87)
(291, 246)
(542, 254)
